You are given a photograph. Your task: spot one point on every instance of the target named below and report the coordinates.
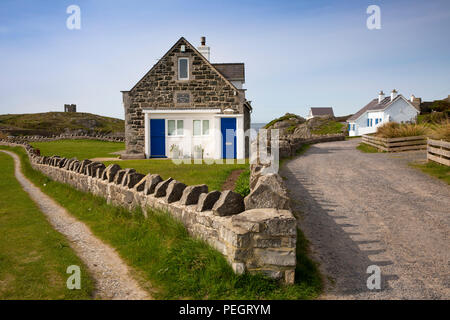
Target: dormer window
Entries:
(183, 69)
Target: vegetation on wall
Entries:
(395, 130)
(243, 183)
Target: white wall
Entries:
(399, 111)
(211, 143)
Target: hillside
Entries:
(54, 123)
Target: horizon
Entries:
(297, 55)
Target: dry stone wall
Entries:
(110, 138)
(258, 240)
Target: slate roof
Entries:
(231, 71)
(324, 111)
(372, 105)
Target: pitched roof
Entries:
(231, 71)
(182, 39)
(374, 105)
(322, 111)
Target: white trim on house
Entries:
(212, 143)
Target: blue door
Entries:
(228, 128)
(157, 138)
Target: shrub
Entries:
(394, 130)
(441, 132)
(434, 117)
(440, 105)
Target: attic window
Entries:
(183, 69)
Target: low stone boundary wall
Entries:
(438, 151)
(109, 138)
(396, 144)
(257, 240)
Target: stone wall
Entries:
(36, 138)
(257, 240)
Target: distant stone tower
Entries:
(70, 108)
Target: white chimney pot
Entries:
(204, 49)
(393, 94)
(380, 96)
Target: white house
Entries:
(320, 112)
(380, 111)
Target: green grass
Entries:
(329, 127)
(60, 122)
(161, 251)
(33, 257)
(81, 149)
(213, 175)
(242, 185)
(434, 169)
(366, 148)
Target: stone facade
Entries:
(261, 240)
(160, 88)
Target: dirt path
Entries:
(361, 209)
(112, 275)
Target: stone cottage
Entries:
(186, 106)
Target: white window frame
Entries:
(176, 128)
(187, 68)
(201, 128)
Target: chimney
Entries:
(393, 94)
(416, 102)
(204, 49)
(412, 98)
(380, 96)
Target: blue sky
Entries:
(297, 53)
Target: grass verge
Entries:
(81, 149)
(367, 148)
(434, 169)
(33, 256)
(162, 252)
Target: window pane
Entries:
(183, 68)
(205, 127)
(180, 127)
(197, 127)
(171, 127)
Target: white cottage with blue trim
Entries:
(380, 111)
(186, 106)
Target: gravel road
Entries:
(111, 274)
(360, 209)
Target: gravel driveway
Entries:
(361, 209)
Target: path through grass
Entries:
(33, 256)
(163, 253)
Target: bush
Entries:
(440, 105)
(434, 117)
(441, 132)
(394, 130)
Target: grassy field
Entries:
(213, 175)
(81, 149)
(367, 148)
(59, 122)
(33, 257)
(162, 252)
(434, 169)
